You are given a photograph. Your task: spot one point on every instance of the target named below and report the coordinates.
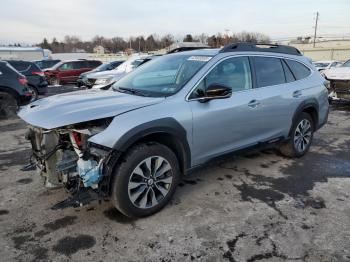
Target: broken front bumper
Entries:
(65, 158)
(339, 90)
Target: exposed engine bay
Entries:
(64, 157)
(339, 90)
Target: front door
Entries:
(223, 125)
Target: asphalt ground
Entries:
(255, 207)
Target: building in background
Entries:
(22, 53)
(324, 49)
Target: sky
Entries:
(29, 21)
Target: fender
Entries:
(166, 125)
(311, 102)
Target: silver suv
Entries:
(134, 142)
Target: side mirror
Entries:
(216, 91)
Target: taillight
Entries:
(23, 81)
(38, 73)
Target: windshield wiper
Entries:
(131, 91)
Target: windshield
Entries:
(163, 76)
(346, 64)
(321, 64)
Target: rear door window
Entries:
(66, 66)
(299, 70)
(80, 65)
(269, 71)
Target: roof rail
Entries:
(273, 48)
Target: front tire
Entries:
(145, 180)
(301, 137)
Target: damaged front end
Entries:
(339, 90)
(64, 156)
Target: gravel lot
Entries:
(257, 207)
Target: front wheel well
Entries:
(172, 142)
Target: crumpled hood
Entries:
(339, 73)
(81, 106)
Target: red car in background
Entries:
(69, 71)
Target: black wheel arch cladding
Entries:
(309, 106)
(163, 126)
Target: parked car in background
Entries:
(14, 91)
(69, 71)
(43, 64)
(103, 80)
(36, 78)
(134, 142)
(339, 86)
(82, 80)
(323, 65)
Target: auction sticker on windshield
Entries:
(199, 58)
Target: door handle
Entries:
(254, 103)
(297, 94)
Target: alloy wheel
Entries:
(302, 135)
(150, 182)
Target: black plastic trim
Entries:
(312, 102)
(166, 125)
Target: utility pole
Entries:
(316, 28)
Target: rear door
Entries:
(273, 95)
(79, 67)
(66, 72)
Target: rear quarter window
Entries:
(80, 65)
(299, 70)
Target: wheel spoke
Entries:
(135, 196)
(144, 199)
(138, 171)
(161, 189)
(154, 199)
(133, 185)
(166, 180)
(158, 164)
(165, 168)
(148, 162)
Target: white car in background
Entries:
(339, 79)
(323, 65)
(104, 80)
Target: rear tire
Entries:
(145, 180)
(8, 105)
(301, 137)
(35, 93)
(54, 81)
